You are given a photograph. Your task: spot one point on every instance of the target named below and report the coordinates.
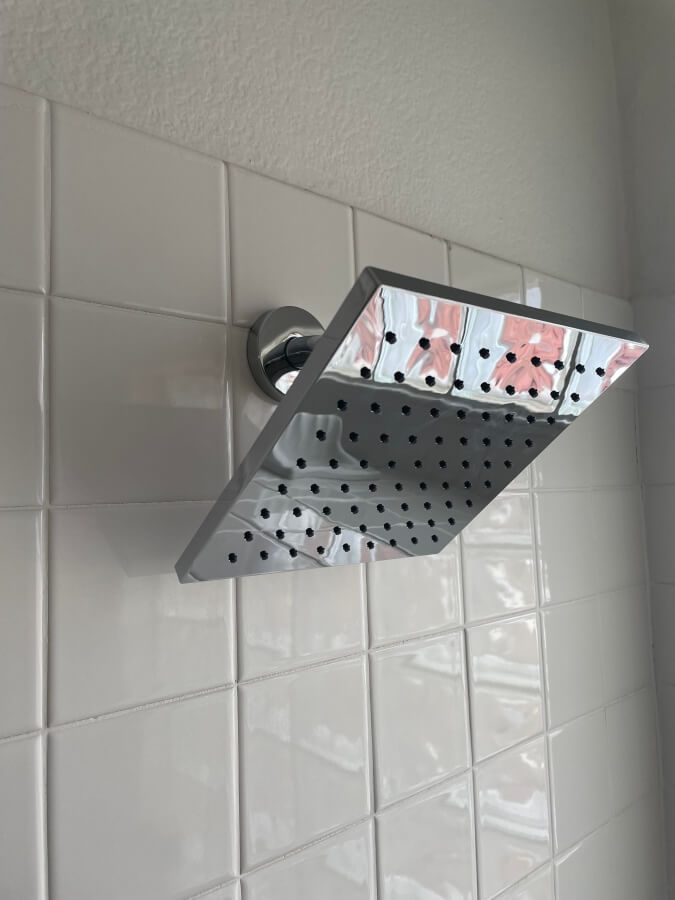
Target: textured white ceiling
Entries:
(490, 123)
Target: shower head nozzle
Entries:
(398, 424)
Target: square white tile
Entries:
(251, 408)
(483, 274)
(426, 846)
(608, 310)
(21, 872)
(304, 751)
(288, 247)
(618, 545)
(499, 559)
(613, 449)
(136, 221)
(566, 538)
(123, 631)
(634, 768)
(666, 699)
(663, 627)
(339, 868)
(513, 828)
(411, 597)
(138, 406)
(552, 294)
(420, 714)
(538, 887)
(21, 399)
(146, 798)
(625, 642)
(296, 618)
(579, 779)
(585, 872)
(568, 461)
(23, 167)
(655, 322)
(387, 245)
(506, 684)
(21, 558)
(657, 436)
(573, 668)
(660, 525)
(637, 858)
(225, 892)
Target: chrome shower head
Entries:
(416, 407)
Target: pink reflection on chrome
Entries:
(365, 338)
(624, 356)
(529, 339)
(440, 327)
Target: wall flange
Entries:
(279, 344)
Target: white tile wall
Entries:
(420, 729)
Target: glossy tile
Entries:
(483, 274)
(288, 248)
(633, 749)
(386, 245)
(21, 549)
(21, 872)
(412, 597)
(573, 631)
(663, 627)
(625, 642)
(225, 892)
(420, 714)
(506, 684)
(579, 779)
(250, 407)
(546, 292)
(339, 868)
(585, 872)
(637, 860)
(21, 399)
(666, 698)
(138, 406)
(123, 631)
(618, 543)
(23, 164)
(513, 829)
(304, 749)
(538, 887)
(499, 559)
(657, 439)
(608, 310)
(295, 618)
(158, 817)
(655, 321)
(566, 539)
(568, 461)
(136, 221)
(660, 525)
(425, 846)
(613, 447)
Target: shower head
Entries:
(413, 410)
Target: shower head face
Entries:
(416, 409)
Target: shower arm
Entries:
(279, 344)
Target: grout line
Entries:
(144, 310)
(226, 250)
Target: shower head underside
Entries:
(415, 409)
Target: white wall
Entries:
(490, 124)
(476, 725)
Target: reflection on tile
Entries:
(585, 873)
(294, 618)
(23, 240)
(580, 784)
(21, 399)
(386, 245)
(123, 630)
(339, 868)
(573, 629)
(20, 614)
(625, 644)
(116, 190)
(138, 406)
(498, 553)
(483, 274)
(304, 757)
(20, 842)
(158, 817)
(538, 887)
(506, 688)
(425, 846)
(513, 822)
(409, 597)
(633, 750)
(288, 248)
(566, 538)
(420, 715)
(545, 292)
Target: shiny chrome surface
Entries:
(279, 344)
(416, 408)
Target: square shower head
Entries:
(415, 409)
